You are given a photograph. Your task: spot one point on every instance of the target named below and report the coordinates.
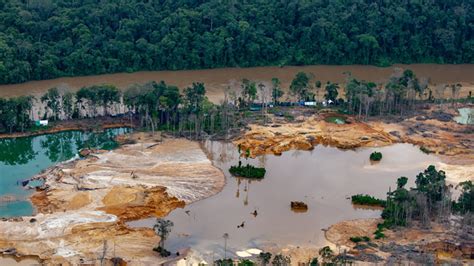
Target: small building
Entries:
(41, 123)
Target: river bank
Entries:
(218, 80)
(86, 124)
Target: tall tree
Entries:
(300, 86)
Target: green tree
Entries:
(107, 95)
(163, 229)
(194, 97)
(53, 104)
(277, 92)
(331, 91)
(465, 203)
(68, 104)
(249, 91)
(300, 86)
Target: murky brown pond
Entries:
(217, 80)
(323, 178)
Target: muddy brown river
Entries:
(217, 80)
(324, 178)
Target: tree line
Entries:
(158, 105)
(430, 200)
(43, 39)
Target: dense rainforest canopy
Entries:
(42, 39)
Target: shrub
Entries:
(367, 200)
(162, 251)
(224, 262)
(425, 150)
(376, 156)
(357, 239)
(247, 171)
(246, 262)
(379, 232)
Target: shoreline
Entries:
(83, 125)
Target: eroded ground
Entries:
(436, 243)
(433, 130)
(85, 203)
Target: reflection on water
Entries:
(323, 178)
(22, 158)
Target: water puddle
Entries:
(323, 178)
(22, 158)
(466, 116)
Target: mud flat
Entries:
(82, 210)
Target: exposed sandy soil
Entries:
(86, 202)
(437, 239)
(311, 131)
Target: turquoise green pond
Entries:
(22, 158)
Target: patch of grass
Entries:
(367, 200)
(376, 156)
(335, 119)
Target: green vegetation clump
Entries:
(367, 200)
(246, 262)
(376, 156)
(224, 262)
(425, 150)
(247, 171)
(357, 239)
(379, 232)
(465, 203)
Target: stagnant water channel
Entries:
(22, 158)
(324, 178)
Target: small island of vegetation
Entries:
(247, 171)
(367, 200)
(376, 156)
